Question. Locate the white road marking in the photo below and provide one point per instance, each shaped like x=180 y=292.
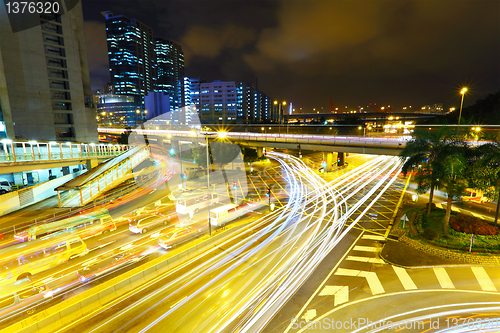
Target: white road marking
x=340 y=294
x=405 y=278
x=366 y=248
x=443 y=278
x=371 y=278
x=373 y=237
x=101 y=246
x=310 y=314
x=483 y=279
x=373 y=282
x=366 y=259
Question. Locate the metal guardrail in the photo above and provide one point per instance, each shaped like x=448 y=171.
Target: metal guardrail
x=26 y=151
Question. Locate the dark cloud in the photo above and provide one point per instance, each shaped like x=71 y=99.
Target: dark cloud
x=410 y=52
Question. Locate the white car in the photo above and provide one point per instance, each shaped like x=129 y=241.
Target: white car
x=142 y=225
x=5 y=186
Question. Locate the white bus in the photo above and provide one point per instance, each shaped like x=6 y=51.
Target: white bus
x=223 y=214
x=195 y=202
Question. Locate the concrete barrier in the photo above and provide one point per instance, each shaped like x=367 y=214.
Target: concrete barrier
x=67 y=311
x=13 y=201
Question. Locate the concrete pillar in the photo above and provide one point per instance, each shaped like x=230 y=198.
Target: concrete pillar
x=340 y=159
x=260 y=152
x=328 y=158
x=92 y=163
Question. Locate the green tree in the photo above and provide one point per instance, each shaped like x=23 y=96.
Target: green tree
x=224 y=152
x=200 y=156
x=489 y=178
x=220 y=152
x=454 y=181
x=427 y=151
x=123 y=139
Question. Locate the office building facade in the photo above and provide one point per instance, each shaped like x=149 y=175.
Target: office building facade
x=131 y=55
x=227 y=101
x=118 y=110
x=44 y=80
x=170 y=70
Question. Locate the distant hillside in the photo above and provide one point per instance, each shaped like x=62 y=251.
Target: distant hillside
x=485 y=111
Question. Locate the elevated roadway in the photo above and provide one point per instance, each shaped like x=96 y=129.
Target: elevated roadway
x=374 y=145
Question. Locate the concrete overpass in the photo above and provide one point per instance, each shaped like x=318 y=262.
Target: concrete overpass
x=375 y=145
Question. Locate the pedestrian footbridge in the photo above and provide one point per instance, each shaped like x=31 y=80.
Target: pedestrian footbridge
x=88 y=186
x=19 y=155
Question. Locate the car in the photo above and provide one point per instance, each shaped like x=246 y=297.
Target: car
x=5 y=186
x=177 y=236
x=101 y=266
x=22 y=297
x=144 y=224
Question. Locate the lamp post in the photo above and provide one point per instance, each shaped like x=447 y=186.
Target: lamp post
x=364 y=130
x=208 y=183
x=462 y=92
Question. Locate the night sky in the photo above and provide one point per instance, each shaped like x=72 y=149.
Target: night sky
x=397 y=53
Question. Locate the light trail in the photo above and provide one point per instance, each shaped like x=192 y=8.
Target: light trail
x=289 y=253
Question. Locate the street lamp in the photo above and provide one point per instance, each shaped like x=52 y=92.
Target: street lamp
x=364 y=129
x=462 y=92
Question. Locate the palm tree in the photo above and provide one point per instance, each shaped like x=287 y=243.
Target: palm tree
x=490 y=161
x=454 y=181
x=428 y=150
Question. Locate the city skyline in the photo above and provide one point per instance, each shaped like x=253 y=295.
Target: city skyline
x=411 y=53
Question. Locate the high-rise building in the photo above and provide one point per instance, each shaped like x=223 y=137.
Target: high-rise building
x=132 y=57
x=227 y=101
x=44 y=80
x=170 y=69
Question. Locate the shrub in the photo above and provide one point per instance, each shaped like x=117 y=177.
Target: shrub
x=472 y=225
x=430 y=233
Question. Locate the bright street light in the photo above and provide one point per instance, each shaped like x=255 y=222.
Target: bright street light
x=222 y=135
x=462 y=92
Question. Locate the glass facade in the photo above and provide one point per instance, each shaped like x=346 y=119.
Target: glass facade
x=131 y=54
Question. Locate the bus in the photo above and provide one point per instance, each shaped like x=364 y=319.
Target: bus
x=87 y=225
x=223 y=214
x=23 y=260
x=474 y=195
x=194 y=202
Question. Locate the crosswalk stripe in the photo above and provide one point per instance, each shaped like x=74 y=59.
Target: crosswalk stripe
x=440 y=206
x=373 y=237
x=443 y=278
x=455 y=209
x=483 y=279
x=371 y=278
x=373 y=282
x=347 y=272
x=366 y=248
x=405 y=278
x=366 y=259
